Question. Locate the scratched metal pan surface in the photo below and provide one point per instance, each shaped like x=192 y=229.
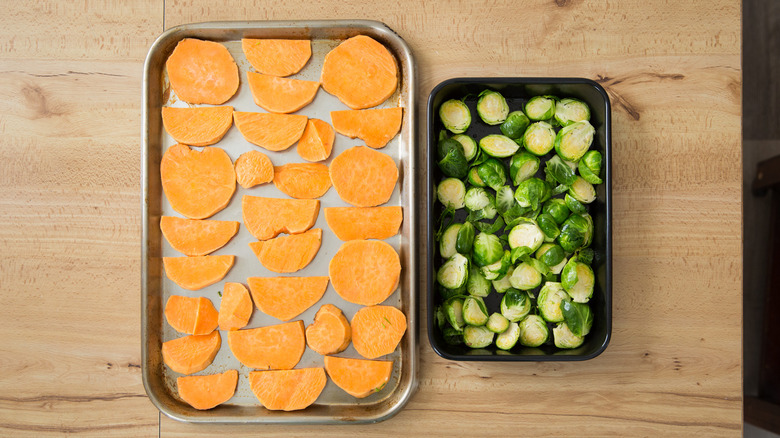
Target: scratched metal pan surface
x=333 y=405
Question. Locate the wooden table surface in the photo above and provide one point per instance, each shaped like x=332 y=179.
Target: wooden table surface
x=70 y=119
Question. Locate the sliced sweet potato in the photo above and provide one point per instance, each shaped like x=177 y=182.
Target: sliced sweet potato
x=202 y=72
x=254 y=168
x=274 y=132
x=374 y=126
x=194 y=316
x=277 y=57
x=358 y=223
x=364 y=177
x=330 y=332
x=357 y=377
x=265 y=218
x=197 y=183
x=377 y=330
x=302 y=180
x=316 y=143
x=275 y=347
x=285 y=298
x=281 y=95
x=191 y=354
x=235 y=308
x=290 y=390
x=285 y=254
x=361 y=72
x=206 y=392
x=365 y=272
x=201 y=126
x=195 y=273
x=194 y=237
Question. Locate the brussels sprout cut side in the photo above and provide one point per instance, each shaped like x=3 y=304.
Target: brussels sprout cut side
x=533 y=331
x=452 y=193
x=540 y=107
x=573 y=141
x=455 y=116
x=568 y=111
x=492 y=107
x=539 y=138
x=499 y=146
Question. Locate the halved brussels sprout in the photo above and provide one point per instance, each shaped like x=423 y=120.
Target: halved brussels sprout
x=550 y=254
x=497 y=323
x=569 y=110
x=453 y=309
x=492 y=107
x=446 y=144
x=560 y=171
x=549 y=301
x=526 y=233
x=487 y=249
x=468 y=144
x=523 y=166
x=502 y=284
x=492 y=173
x=548 y=226
x=515 y=305
x=477 y=336
x=452 y=193
x=476 y=199
x=477 y=285
x=455 y=116
x=474 y=311
x=498 y=146
x=449 y=240
x=578 y=281
x=540 y=107
x=509 y=337
x=533 y=331
x=574 y=232
x=454 y=272
x=574 y=205
x=465 y=238
x=578 y=317
x=454 y=164
x=582 y=191
x=573 y=141
x=564 y=338
x=515 y=124
x=525 y=277
x=532 y=193
x=498 y=269
x=590 y=167
x=539 y=138
x=474 y=178
x=556 y=208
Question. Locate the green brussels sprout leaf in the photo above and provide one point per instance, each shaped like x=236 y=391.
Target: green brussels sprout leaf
x=578 y=317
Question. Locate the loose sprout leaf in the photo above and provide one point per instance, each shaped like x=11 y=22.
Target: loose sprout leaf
x=447 y=213
x=574 y=205
x=447 y=144
x=536 y=264
x=585 y=255
x=496 y=227
x=578 y=317
x=492 y=173
x=569 y=274
x=560 y=171
x=465 y=238
x=561 y=188
x=587 y=174
x=520 y=252
x=454 y=164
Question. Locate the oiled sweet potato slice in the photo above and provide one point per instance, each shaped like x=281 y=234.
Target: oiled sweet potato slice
x=359 y=223
x=364 y=177
x=330 y=332
x=377 y=330
x=374 y=126
x=288 y=390
x=357 y=377
x=302 y=180
x=285 y=254
x=235 y=309
x=194 y=237
x=201 y=126
x=281 y=95
x=285 y=298
x=316 y=143
x=274 y=132
x=191 y=354
x=265 y=218
x=202 y=72
x=195 y=273
x=206 y=392
x=254 y=168
x=191 y=315
x=275 y=56
x=365 y=272
x=275 y=347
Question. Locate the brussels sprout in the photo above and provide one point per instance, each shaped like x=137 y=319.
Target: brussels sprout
x=578 y=281
x=588 y=230
x=455 y=116
x=498 y=269
x=515 y=125
x=452 y=193
x=505 y=199
x=498 y=146
x=515 y=305
x=573 y=233
x=590 y=167
x=574 y=205
x=453 y=308
x=550 y=297
x=454 y=164
x=497 y=323
x=540 y=107
x=476 y=199
x=468 y=144
x=454 y=272
x=477 y=336
x=548 y=226
x=573 y=141
x=560 y=171
x=477 y=285
x=525 y=277
x=568 y=111
x=564 y=338
x=582 y=191
x=539 y=138
x=492 y=107
x=523 y=166
x=449 y=240
x=502 y=284
x=474 y=311
x=474 y=178
x=550 y=254
x=509 y=337
x=532 y=193
x=585 y=255
x=465 y=238
x=556 y=208
x=439 y=318
x=487 y=249
x=533 y=331
x=578 y=317
x=527 y=233
x=492 y=173
x=447 y=144
x=452 y=336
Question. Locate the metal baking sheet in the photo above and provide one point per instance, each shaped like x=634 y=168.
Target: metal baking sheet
x=333 y=405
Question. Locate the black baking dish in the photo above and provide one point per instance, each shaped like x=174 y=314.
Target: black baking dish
x=517 y=91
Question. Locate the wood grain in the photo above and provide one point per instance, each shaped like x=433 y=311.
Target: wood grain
x=673 y=367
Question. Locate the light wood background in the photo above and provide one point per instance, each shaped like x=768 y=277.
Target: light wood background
x=70 y=97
